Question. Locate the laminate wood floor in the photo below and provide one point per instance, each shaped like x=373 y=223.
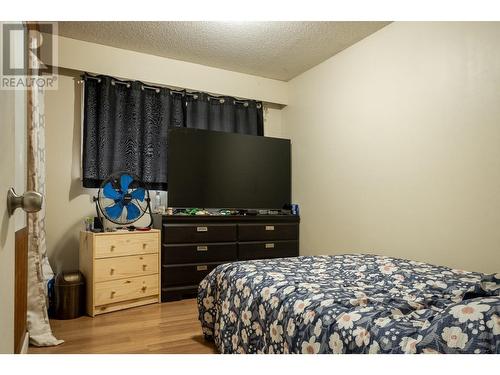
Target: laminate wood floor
x=170 y=327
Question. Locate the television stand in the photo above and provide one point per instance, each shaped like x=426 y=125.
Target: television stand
x=192 y=246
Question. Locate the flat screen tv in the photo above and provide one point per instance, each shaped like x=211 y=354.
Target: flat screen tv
x=208 y=169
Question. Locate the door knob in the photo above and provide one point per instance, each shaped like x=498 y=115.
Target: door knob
x=31 y=201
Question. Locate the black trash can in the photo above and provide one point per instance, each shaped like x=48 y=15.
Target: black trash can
x=69 y=293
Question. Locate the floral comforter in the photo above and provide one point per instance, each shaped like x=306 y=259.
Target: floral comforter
x=349 y=304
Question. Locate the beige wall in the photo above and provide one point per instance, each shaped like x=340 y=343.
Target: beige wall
x=396 y=146
x=121 y=63
x=67 y=202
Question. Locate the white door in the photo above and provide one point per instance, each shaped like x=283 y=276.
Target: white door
x=13 y=109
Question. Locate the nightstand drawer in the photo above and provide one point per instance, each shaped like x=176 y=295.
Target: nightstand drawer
x=175 y=233
x=259 y=232
x=125 y=289
x=198 y=253
x=106 y=269
x=125 y=244
x=270 y=249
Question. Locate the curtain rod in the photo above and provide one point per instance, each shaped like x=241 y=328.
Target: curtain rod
x=158 y=88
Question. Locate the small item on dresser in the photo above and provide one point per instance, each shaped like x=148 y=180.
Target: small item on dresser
x=158 y=202
x=88 y=222
x=295 y=209
x=202 y=213
x=169 y=211
x=97 y=225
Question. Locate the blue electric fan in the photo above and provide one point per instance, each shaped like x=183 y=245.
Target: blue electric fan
x=122 y=199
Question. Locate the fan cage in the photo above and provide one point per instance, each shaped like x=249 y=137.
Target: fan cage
x=103 y=201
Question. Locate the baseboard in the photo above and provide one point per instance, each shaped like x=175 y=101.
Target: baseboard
x=26 y=343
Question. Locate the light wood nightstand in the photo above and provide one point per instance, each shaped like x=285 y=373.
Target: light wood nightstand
x=121 y=269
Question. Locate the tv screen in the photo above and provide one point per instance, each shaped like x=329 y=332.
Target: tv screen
x=208 y=169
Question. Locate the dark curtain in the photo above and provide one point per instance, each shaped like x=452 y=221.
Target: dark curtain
x=224 y=114
x=126 y=123
x=125 y=129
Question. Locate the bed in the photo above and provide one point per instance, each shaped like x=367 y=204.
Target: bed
x=349 y=304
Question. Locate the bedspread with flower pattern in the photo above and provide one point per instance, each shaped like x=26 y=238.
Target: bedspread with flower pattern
x=349 y=304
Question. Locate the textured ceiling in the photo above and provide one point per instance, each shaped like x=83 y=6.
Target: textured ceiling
x=279 y=50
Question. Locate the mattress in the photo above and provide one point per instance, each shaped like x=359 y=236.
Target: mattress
x=349 y=304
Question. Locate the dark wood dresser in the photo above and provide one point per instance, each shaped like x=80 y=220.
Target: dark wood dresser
x=192 y=246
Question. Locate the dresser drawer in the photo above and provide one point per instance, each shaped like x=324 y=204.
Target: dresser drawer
x=125 y=289
x=126 y=244
x=262 y=250
x=190 y=274
x=106 y=269
x=199 y=253
x=259 y=232
x=182 y=233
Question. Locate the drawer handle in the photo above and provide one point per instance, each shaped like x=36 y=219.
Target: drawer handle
x=201 y=268
x=269 y=227
x=201 y=248
x=144 y=266
x=269 y=246
x=113 y=293
x=202 y=229
x=128 y=282
x=112 y=247
x=144 y=245
x=144 y=288
x=111 y=271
